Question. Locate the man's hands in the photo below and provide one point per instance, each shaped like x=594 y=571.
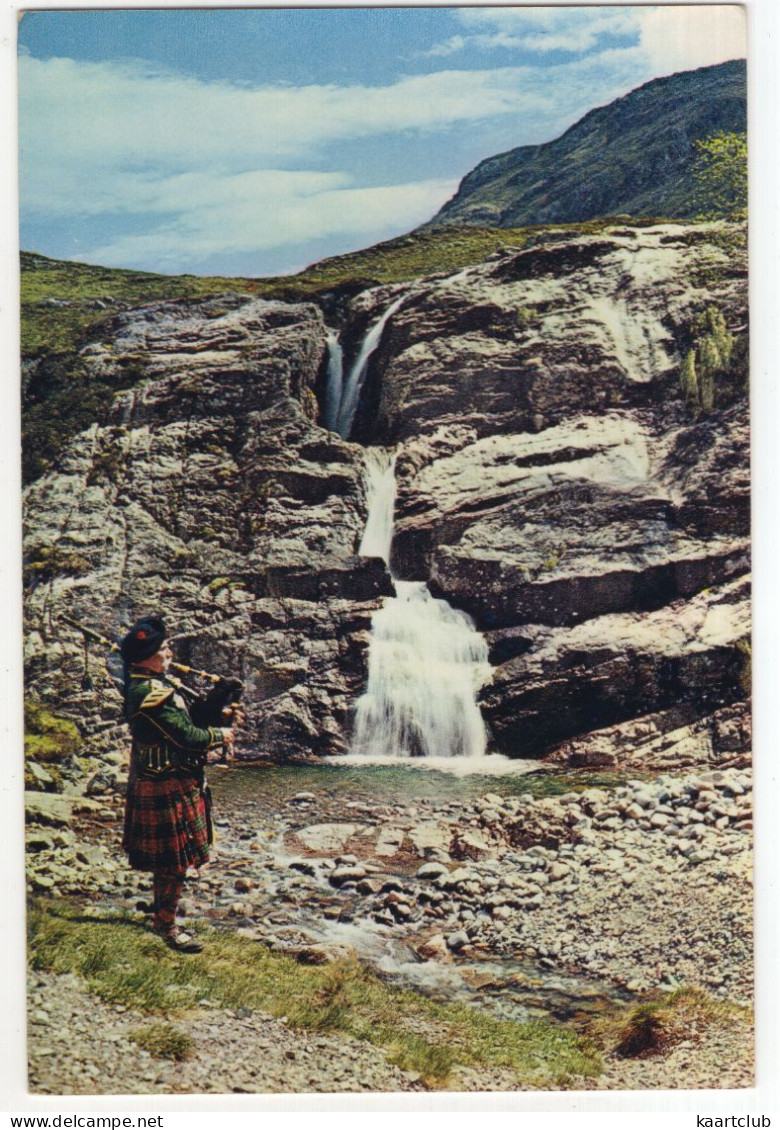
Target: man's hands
x=228 y=746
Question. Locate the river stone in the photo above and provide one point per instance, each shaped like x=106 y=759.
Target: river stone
x=326 y=838
x=457 y=940
x=392 y=885
x=39 y=841
x=432 y=871
x=434 y=949
x=346 y=874
x=41 y=775
x=401 y=910
x=430 y=835
x=369 y=887
x=48 y=808
x=470 y=845
x=389 y=841
x=304 y=866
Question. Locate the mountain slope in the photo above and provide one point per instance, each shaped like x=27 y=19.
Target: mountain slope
x=633 y=156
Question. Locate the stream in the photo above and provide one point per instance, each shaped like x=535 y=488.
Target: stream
x=259 y=809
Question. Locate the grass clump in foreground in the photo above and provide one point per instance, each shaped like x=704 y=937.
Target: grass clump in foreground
x=656 y=1027
x=124 y=964
x=164 y=1040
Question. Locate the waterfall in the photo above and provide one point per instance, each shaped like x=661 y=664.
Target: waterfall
x=426 y=660
x=380 y=491
x=349 y=395
x=335 y=382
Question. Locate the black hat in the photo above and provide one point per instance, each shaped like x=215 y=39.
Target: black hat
x=143 y=640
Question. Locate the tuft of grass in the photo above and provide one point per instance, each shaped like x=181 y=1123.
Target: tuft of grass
x=124 y=964
x=655 y=1027
x=164 y=1040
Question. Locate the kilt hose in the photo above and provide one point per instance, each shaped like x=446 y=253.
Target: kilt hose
x=166 y=827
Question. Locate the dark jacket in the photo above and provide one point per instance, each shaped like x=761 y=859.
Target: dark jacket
x=165 y=739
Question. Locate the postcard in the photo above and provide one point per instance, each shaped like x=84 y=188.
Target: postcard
x=387 y=617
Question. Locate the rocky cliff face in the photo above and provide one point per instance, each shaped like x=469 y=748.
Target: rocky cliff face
x=204 y=493
x=553 y=482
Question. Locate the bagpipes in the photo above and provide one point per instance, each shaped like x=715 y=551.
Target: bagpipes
x=218 y=707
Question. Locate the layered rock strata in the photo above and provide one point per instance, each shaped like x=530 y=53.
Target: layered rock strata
x=205 y=493
x=553 y=482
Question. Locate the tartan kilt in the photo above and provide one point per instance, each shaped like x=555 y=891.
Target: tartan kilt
x=166 y=827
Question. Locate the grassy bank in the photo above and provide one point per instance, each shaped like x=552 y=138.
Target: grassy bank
x=124 y=964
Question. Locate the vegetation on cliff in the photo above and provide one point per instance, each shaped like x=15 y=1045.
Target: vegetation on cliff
x=720 y=175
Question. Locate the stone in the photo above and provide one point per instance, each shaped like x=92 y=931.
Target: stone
x=432 y=871
x=325 y=838
x=470 y=845
x=457 y=940
x=434 y=948
x=389 y=841
x=558 y=871
x=50 y=809
x=42 y=776
x=39 y=841
x=347 y=874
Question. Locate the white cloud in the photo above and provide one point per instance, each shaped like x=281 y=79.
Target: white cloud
x=251 y=213
x=542 y=30
x=203 y=168
x=71 y=111
x=674 y=37
x=684 y=37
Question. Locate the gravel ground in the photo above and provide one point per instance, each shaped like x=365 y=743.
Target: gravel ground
x=81 y=1046
x=642 y=887
x=78 y=1045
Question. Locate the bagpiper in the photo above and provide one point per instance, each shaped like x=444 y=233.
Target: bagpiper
x=167 y=826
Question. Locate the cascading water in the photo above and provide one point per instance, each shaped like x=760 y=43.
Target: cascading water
x=380 y=492
x=426 y=660
x=335 y=382
x=349 y=395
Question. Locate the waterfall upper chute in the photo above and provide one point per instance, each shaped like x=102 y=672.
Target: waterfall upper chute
x=380 y=491
x=352 y=386
x=335 y=382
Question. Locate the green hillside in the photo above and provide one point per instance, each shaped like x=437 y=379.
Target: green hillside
x=634 y=156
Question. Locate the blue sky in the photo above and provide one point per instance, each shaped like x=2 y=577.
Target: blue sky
x=255 y=141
